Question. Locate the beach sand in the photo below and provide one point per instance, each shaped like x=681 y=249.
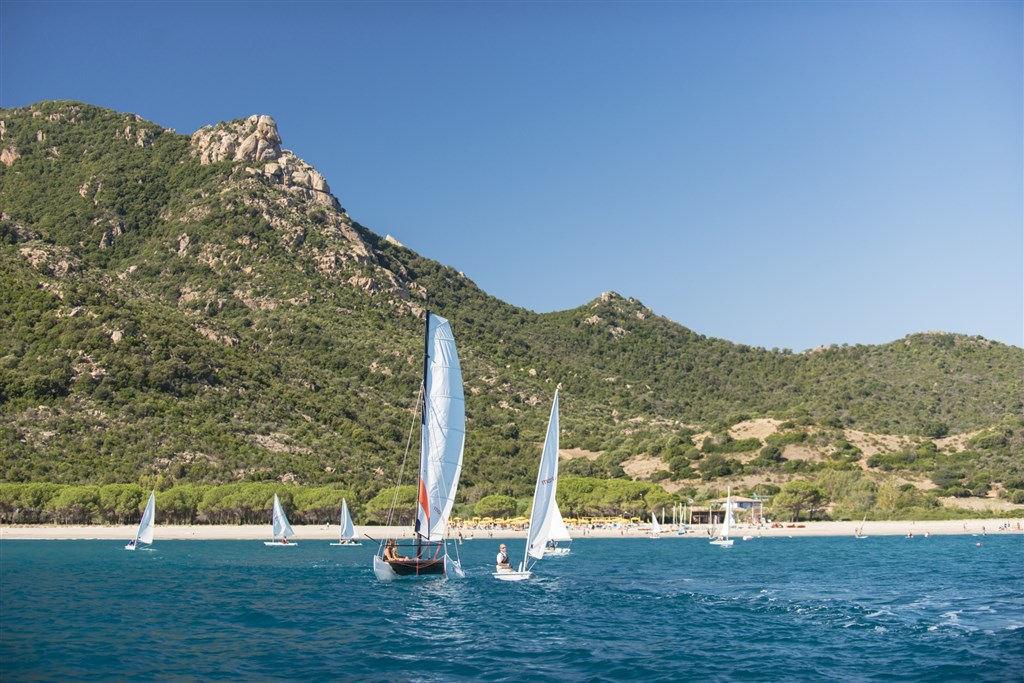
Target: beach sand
x=330 y=532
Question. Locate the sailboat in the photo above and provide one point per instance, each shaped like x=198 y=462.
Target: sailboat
x=544 y=510
x=347 y=533
x=655 y=525
x=442 y=436
x=558 y=533
x=281 y=528
x=145 y=532
x=723 y=539
x=859 y=533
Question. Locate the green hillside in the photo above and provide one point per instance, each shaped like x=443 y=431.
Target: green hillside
x=201 y=310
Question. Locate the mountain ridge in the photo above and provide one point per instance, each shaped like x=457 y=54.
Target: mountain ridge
x=208 y=295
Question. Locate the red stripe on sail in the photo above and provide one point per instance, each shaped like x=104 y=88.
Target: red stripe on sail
x=425 y=507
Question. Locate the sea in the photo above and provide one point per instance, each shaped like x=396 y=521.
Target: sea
x=944 y=608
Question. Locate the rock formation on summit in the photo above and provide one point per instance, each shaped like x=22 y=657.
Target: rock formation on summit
x=256 y=140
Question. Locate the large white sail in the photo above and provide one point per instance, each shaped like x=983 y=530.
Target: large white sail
x=545 y=509
x=444 y=431
x=147 y=524
x=282 y=529
x=348 y=529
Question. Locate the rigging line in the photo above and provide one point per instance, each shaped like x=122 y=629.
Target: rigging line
x=405 y=458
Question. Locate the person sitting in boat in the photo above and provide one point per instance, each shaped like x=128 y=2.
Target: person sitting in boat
x=131 y=543
x=391 y=551
x=502 y=559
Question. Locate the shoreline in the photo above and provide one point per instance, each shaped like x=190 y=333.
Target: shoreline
x=224 y=532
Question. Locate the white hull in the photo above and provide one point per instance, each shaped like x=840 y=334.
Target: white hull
x=860 y=536
x=352 y=543
x=383 y=570
x=723 y=543
x=556 y=552
x=278 y=544
x=510 y=575
x=129 y=547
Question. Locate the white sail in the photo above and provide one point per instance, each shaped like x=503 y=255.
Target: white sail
x=545 y=509
x=727 y=519
x=723 y=539
x=146 y=526
x=558 y=530
x=655 y=525
x=444 y=431
x=282 y=529
x=348 y=529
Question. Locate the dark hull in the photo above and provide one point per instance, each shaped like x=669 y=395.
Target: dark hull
x=414 y=567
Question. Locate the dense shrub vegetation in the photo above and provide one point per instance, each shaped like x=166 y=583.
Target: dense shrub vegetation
x=200 y=326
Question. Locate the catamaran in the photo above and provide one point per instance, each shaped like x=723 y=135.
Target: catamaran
x=347 y=534
x=544 y=510
x=145 y=532
x=280 y=526
x=723 y=539
x=442 y=437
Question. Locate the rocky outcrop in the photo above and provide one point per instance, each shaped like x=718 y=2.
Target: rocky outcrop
x=255 y=140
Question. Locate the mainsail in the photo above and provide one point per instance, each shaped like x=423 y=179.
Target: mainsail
x=558 y=530
x=443 y=431
x=348 y=529
x=282 y=529
x=545 y=509
x=148 y=522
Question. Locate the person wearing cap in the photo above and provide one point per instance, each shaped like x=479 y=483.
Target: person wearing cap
x=502 y=559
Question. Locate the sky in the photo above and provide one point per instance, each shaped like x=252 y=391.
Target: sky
x=778 y=174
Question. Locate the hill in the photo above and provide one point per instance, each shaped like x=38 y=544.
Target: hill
x=201 y=309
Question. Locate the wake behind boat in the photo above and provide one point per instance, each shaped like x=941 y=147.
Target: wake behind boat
x=280 y=526
x=442 y=437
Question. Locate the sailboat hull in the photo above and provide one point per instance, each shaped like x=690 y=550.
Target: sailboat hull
x=279 y=544
x=511 y=575
x=723 y=543
x=351 y=543
x=414 y=567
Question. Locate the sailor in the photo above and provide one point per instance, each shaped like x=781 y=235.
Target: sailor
x=502 y=560
x=391 y=552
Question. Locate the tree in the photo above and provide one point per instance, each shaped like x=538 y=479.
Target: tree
x=495 y=506
x=395 y=505
x=795 y=497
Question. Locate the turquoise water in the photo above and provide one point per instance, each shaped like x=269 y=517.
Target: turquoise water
x=671 y=609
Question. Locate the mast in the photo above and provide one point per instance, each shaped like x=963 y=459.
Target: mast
x=423 y=428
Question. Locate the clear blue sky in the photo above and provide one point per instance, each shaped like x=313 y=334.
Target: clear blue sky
x=779 y=174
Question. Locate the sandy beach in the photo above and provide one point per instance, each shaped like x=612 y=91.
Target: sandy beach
x=1000 y=526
